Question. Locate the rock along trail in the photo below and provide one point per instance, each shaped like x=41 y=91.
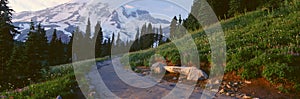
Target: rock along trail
x=116 y=88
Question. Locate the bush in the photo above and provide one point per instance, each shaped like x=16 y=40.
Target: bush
x=50 y=89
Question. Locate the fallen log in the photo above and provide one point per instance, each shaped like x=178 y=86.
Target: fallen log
x=192 y=73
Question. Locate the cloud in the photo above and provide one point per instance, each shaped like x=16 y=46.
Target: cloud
x=129 y=6
x=34 y=5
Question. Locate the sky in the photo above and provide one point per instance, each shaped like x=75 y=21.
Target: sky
x=34 y=5
x=158 y=8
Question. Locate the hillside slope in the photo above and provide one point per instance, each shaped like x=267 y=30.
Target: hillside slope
x=262 y=43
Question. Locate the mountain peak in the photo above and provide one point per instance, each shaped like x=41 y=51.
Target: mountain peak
x=66 y=17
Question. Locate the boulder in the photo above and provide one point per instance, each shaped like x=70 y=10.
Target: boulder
x=58 y=97
x=195 y=73
x=158 y=68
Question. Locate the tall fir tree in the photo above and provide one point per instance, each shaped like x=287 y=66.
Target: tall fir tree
x=191 y=23
x=16 y=67
x=35 y=52
x=69 y=49
x=88 y=33
x=78 y=46
x=112 y=39
x=43 y=44
x=110 y=43
x=7 y=31
x=56 y=51
x=136 y=44
x=88 y=41
x=149 y=29
x=99 y=39
x=160 y=37
x=173 y=28
x=143 y=30
x=180 y=19
x=118 y=41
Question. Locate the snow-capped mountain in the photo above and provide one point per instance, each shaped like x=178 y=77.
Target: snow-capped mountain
x=66 y=17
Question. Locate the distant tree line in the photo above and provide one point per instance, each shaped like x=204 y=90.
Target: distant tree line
x=225 y=9
x=147 y=37
x=27 y=61
x=84 y=42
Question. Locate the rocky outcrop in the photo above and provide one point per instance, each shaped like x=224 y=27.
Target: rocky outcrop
x=195 y=73
x=158 y=68
x=192 y=73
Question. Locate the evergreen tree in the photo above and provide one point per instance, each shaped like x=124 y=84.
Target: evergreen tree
x=119 y=41
x=119 y=44
x=88 y=30
x=69 y=49
x=191 y=23
x=35 y=53
x=7 y=31
x=42 y=43
x=149 y=28
x=61 y=51
x=136 y=45
x=78 y=45
x=148 y=36
x=52 y=49
x=112 y=39
x=160 y=36
x=18 y=75
x=87 y=43
x=56 y=50
x=109 y=45
x=173 y=28
x=144 y=30
x=180 y=20
x=99 y=46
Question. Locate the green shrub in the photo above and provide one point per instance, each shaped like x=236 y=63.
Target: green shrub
x=50 y=89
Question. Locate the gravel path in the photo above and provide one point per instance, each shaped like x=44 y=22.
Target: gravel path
x=109 y=85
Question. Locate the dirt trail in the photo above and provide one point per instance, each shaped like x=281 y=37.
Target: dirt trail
x=116 y=88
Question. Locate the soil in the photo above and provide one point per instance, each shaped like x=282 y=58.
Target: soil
x=259 y=88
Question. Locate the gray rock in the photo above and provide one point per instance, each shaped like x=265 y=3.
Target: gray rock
x=246 y=97
x=228 y=86
x=158 y=68
x=145 y=73
x=217 y=82
x=228 y=94
x=222 y=91
x=236 y=83
x=247 y=82
x=195 y=73
x=174 y=78
x=58 y=97
x=232 y=95
x=172 y=85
